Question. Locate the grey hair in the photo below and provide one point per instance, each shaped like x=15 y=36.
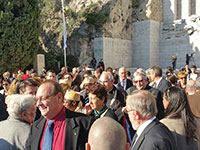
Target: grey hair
x=197 y=83
x=108 y=74
x=120 y=69
x=144 y=77
x=143 y=102
x=18 y=104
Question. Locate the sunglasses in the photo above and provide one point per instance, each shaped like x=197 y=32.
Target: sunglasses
x=140 y=81
x=5 y=84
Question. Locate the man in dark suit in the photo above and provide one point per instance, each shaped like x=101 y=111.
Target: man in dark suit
x=151 y=134
x=115 y=98
x=158 y=81
x=124 y=82
x=59 y=128
x=141 y=83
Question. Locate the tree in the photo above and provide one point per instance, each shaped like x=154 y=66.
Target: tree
x=19 y=33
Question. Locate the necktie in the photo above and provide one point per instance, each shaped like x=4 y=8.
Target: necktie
x=124 y=85
x=86 y=99
x=154 y=85
x=48 y=136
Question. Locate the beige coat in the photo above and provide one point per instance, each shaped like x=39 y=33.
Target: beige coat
x=177 y=128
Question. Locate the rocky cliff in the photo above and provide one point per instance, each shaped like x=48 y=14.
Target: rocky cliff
x=88 y=19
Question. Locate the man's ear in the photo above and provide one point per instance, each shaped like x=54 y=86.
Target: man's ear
x=87 y=146
x=136 y=115
x=127 y=146
x=60 y=97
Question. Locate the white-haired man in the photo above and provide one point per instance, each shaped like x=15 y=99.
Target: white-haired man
x=150 y=134
x=124 y=82
x=14 y=131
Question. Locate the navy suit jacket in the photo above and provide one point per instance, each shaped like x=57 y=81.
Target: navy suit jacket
x=76 y=131
x=156 y=136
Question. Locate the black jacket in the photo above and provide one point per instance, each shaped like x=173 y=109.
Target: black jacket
x=76 y=131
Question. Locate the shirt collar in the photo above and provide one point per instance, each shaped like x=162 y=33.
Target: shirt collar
x=60 y=116
x=158 y=81
x=143 y=126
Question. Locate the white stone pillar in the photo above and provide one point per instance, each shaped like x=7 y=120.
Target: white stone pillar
x=169 y=10
x=175 y=9
x=39 y=63
x=146 y=38
x=197 y=7
x=185 y=9
x=179 y=8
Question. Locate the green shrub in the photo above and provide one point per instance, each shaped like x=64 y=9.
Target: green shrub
x=19 y=32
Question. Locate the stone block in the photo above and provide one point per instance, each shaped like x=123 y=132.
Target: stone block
x=39 y=63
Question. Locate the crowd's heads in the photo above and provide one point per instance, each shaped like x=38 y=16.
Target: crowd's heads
x=140 y=105
x=140 y=81
x=89 y=82
x=64 y=70
x=109 y=69
x=28 y=86
x=65 y=84
x=107 y=134
x=173 y=80
x=21 y=107
x=122 y=73
x=174 y=101
x=98 y=97
x=87 y=73
x=98 y=72
x=6 y=84
x=182 y=76
x=50 y=98
x=190 y=87
x=106 y=80
x=6 y=75
x=71 y=100
x=197 y=83
x=193 y=69
x=51 y=75
x=155 y=72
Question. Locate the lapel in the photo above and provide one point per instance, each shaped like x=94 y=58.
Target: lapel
x=38 y=130
x=160 y=83
x=142 y=136
x=71 y=131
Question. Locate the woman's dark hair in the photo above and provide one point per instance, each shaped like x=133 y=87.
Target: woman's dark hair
x=172 y=79
x=100 y=91
x=179 y=108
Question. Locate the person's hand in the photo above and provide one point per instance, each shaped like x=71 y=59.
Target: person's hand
x=88 y=109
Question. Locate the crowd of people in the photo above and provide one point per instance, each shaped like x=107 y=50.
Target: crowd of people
x=100 y=109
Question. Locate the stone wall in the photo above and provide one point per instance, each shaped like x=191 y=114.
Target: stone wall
x=115 y=52
x=178 y=39
x=146 y=43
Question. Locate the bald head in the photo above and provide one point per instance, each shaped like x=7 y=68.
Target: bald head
x=190 y=87
x=107 y=134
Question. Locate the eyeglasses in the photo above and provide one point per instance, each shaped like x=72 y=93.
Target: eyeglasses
x=140 y=81
x=44 y=99
x=103 y=82
x=183 y=78
x=5 y=84
x=126 y=110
